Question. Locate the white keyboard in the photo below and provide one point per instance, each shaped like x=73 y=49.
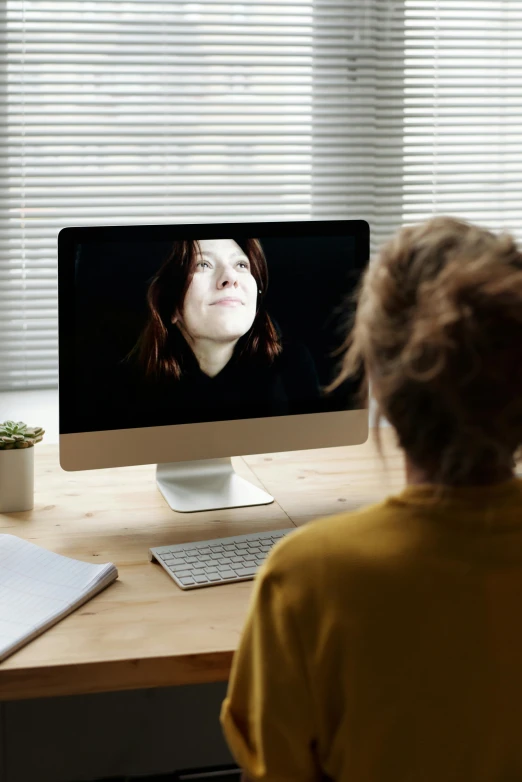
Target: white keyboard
x=221 y=561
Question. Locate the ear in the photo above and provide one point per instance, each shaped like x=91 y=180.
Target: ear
x=175 y=318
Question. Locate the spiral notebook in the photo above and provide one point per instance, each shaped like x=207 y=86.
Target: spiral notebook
x=39 y=587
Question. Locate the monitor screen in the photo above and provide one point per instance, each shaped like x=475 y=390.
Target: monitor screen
x=168 y=325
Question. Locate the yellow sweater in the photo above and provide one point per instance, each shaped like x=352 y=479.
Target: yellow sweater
x=386 y=645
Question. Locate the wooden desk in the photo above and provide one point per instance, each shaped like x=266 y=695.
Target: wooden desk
x=143 y=631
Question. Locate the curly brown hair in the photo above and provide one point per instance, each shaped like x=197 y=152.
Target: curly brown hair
x=438 y=333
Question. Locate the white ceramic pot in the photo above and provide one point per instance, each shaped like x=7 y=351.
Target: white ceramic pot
x=16 y=479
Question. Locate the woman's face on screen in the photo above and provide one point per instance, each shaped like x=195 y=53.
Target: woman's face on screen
x=221 y=301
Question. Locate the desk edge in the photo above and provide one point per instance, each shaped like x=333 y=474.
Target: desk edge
x=114 y=675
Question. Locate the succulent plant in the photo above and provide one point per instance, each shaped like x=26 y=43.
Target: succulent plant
x=15 y=435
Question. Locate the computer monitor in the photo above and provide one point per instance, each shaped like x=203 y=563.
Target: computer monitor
x=184 y=345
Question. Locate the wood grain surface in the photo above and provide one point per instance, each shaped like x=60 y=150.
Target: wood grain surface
x=143 y=631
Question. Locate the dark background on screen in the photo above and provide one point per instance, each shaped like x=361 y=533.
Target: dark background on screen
x=311 y=279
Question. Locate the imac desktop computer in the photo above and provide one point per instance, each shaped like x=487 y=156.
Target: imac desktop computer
x=185 y=345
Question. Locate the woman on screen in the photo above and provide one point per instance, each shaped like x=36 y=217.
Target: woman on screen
x=209 y=349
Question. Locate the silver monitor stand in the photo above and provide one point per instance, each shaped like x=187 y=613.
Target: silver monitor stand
x=206 y=484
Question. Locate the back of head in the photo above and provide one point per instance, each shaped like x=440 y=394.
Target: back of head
x=438 y=332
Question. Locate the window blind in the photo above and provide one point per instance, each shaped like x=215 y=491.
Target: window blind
x=463 y=111
x=141 y=112
x=358 y=98
x=152 y=111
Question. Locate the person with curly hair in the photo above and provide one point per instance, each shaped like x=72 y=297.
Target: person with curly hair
x=386 y=644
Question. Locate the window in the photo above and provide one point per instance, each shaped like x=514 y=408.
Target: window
x=151 y=111
x=463 y=111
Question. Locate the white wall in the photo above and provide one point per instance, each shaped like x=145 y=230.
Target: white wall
x=36 y=408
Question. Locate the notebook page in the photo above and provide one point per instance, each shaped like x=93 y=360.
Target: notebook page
x=38 y=587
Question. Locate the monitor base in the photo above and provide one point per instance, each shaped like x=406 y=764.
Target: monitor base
x=206 y=484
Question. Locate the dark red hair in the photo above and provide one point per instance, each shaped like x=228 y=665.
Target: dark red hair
x=161 y=346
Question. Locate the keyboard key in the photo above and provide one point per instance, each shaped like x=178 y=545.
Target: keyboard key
x=211 y=572
x=237 y=560
x=229 y=547
x=253 y=544
x=249 y=557
x=221 y=568
x=213 y=577
x=204 y=550
x=225 y=560
x=227 y=574
x=187 y=581
x=176 y=562
x=242 y=572
x=201 y=579
x=182 y=572
x=241 y=545
x=191 y=560
x=217 y=548
x=215 y=555
x=198 y=572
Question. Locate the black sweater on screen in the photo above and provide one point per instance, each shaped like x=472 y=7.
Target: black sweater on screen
x=245 y=388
